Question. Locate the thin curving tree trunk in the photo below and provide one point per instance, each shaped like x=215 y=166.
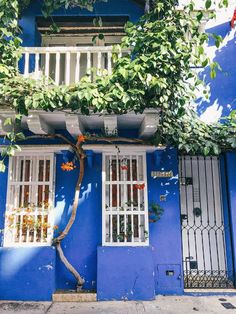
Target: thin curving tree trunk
x=80 y=281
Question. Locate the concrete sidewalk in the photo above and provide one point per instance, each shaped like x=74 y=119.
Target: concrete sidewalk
x=165 y=305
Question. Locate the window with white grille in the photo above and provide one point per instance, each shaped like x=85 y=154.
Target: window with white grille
x=125 y=208
x=29 y=218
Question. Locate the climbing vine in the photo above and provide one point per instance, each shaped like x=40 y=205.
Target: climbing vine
x=166 y=44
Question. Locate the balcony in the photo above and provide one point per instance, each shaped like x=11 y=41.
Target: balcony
x=67 y=65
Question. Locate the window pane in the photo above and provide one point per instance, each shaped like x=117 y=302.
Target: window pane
x=140 y=166
x=20 y=204
x=107 y=200
x=38 y=228
x=141 y=199
x=114 y=228
x=27 y=170
x=41 y=170
x=40 y=196
x=114 y=196
x=129 y=229
x=21 y=170
x=45 y=227
x=114 y=170
x=47 y=176
x=107 y=168
x=143 y=232
x=18 y=226
x=135 y=197
x=124 y=199
x=122 y=228
x=108 y=234
x=134 y=169
x=26 y=198
x=136 y=226
x=46 y=196
x=127 y=177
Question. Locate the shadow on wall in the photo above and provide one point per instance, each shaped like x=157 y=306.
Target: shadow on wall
x=27 y=273
x=223 y=88
x=80 y=246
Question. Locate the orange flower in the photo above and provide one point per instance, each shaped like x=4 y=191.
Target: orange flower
x=68 y=166
x=81 y=138
x=140 y=186
x=55 y=227
x=11 y=218
x=46 y=225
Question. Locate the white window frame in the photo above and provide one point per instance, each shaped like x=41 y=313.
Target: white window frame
x=125 y=152
x=36 y=156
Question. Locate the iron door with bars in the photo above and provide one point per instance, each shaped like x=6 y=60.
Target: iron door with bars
x=204 y=224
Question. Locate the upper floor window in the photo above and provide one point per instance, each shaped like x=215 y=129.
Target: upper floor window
x=28 y=219
x=79 y=48
x=125 y=208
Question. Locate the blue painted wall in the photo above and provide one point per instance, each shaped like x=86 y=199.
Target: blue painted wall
x=3 y=197
x=31 y=37
x=138 y=273
x=117 y=273
x=227 y=216
x=27 y=274
x=230 y=159
x=222 y=89
x=86 y=234
x=165 y=235
x=146 y=266
x=125 y=273
x=25 y=268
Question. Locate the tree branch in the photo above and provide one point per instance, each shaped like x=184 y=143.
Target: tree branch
x=68 y=265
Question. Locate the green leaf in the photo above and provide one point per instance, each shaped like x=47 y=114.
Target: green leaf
x=213 y=74
x=20 y=136
x=8 y=121
x=208 y=4
x=205 y=63
x=2 y=166
x=101 y=36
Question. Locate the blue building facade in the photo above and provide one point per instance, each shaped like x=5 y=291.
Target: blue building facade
x=118 y=249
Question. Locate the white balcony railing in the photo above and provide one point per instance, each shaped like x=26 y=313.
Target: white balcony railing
x=66 y=65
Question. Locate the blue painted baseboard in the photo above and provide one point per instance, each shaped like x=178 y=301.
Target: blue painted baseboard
x=125 y=273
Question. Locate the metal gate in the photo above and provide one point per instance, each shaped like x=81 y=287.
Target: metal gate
x=204 y=225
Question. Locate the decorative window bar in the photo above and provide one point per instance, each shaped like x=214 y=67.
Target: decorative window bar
x=29 y=201
x=125 y=209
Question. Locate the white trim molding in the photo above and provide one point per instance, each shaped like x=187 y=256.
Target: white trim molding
x=74 y=125
x=110 y=125
x=124 y=199
x=41 y=122
x=29 y=217
x=123 y=148
x=37 y=125
x=37 y=149
x=149 y=125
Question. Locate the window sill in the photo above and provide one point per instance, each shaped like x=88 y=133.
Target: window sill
x=27 y=245
x=125 y=244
